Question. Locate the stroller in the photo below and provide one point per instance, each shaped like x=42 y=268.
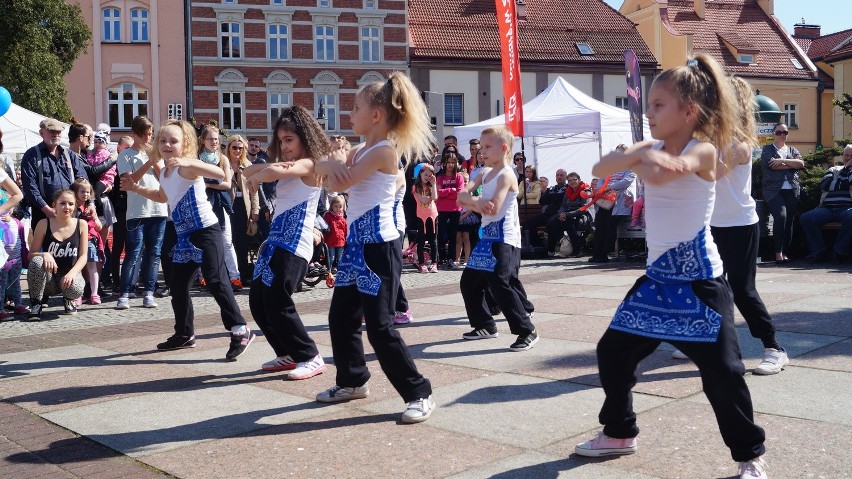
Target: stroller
x=317 y=267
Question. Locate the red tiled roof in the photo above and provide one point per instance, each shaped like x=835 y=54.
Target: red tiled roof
x=746 y=21
x=823 y=46
x=467 y=29
x=841 y=53
x=805 y=43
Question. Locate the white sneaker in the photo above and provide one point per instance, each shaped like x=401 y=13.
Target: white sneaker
x=754 y=469
x=339 y=394
x=773 y=362
x=282 y=363
x=308 y=369
x=418 y=410
x=678 y=354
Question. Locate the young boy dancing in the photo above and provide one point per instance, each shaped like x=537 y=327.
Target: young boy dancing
x=495 y=261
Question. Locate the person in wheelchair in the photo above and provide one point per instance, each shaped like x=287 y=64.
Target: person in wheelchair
x=571 y=217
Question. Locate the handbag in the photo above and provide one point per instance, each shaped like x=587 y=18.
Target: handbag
x=565 y=246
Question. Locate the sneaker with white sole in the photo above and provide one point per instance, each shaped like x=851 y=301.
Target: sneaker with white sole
x=281 y=363
x=482 y=333
x=753 y=469
x=400 y=317
x=773 y=362
x=603 y=445
x=678 y=354
x=525 y=342
x=308 y=369
x=177 y=342
x=239 y=343
x=418 y=410
x=123 y=303
x=339 y=394
x=148 y=301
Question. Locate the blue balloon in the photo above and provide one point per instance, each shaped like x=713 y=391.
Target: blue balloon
x=5 y=101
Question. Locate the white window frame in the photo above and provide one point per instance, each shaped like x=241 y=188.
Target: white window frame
x=111 y=25
x=277 y=39
x=278 y=100
x=230 y=36
x=747 y=58
x=279 y=86
x=370 y=45
x=330 y=42
x=449 y=111
x=621 y=102
x=791 y=115
x=138 y=25
x=330 y=100
x=138 y=106
x=231 y=110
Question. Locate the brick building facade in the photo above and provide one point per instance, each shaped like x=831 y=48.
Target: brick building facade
x=250 y=58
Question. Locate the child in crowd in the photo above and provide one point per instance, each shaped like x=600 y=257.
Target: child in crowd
x=494 y=263
x=83 y=191
x=469 y=221
x=369 y=273
x=199 y=235
x=450 y=181
x=335 y=237
x=283 y=260
x=637 y=218
x=683 y=298
x=14 y=248
x=425 y=191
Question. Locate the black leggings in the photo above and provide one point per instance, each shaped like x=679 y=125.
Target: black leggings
x=783 y=208
x=448 y=225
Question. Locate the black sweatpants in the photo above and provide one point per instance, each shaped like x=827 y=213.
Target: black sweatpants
x=348 y=305
x=719 y=363
x=401 y=299
x=209 y=241
x=448 y=225
x=275 y=312
x=166 y=252
x=738 y=247
x=506 y=289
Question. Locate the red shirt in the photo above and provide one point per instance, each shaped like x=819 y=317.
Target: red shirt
x=335 y=237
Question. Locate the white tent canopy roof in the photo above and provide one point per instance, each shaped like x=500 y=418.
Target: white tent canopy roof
x=20 y=130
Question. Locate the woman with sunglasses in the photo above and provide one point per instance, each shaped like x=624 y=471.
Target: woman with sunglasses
x=780 y=164
x=246 y=206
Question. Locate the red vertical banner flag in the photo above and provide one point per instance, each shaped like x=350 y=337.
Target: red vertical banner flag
x=507 y=20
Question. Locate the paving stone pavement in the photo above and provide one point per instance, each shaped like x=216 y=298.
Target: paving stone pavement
x=87 y=396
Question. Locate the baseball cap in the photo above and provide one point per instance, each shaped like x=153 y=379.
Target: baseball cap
x=104 y=128
x=102 y=136
x=50 y=124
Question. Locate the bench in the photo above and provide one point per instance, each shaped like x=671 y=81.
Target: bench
x=624 y=232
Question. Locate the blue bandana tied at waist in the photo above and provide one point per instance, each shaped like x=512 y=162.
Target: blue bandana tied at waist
x=186 y=220
x=285 y=232
x=482 y=256
x=352 y=269
x=664 y=306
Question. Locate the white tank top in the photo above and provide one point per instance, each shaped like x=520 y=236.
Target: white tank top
x=295 y=216
x=370 y=214
x=677 y=213
x=187 y=201
x=734 y=204
x=511 y=231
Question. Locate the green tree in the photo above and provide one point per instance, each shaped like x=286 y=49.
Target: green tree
x=844 y=103
x=39 y=42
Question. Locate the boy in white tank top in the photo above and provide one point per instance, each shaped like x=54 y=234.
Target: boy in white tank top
x=495 y=261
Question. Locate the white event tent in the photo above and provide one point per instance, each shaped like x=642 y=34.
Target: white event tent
x=564 y=128
x=20 y=130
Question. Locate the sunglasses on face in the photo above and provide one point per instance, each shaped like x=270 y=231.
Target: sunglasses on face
x=237 y=148
x=782 y=132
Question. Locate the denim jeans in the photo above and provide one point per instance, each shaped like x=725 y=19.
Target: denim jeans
x=147 y=232
x=812 y=222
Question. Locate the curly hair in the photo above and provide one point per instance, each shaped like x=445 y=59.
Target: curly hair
x=745 y=98
x=298 y=120
x=190 y=142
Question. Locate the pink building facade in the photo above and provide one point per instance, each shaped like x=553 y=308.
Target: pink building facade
x=136 y=64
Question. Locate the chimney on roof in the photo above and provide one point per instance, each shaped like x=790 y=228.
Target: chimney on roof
x=521 y=9
x=804 y=30
x=699 y=8
x=768 y=6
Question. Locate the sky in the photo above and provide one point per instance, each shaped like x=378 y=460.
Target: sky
x=826 y=13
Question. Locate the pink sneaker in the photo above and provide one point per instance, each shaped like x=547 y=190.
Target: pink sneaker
x=421 y=268
x=95 y=299
x=402 y=318
x=433 y=268
x=282 y=363
x=604 y=445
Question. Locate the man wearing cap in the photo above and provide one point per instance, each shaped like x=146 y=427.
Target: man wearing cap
x=47 y=168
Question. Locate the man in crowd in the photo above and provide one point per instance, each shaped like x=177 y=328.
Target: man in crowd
x=551 y=201
x=267 y=191
x=47 y=168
